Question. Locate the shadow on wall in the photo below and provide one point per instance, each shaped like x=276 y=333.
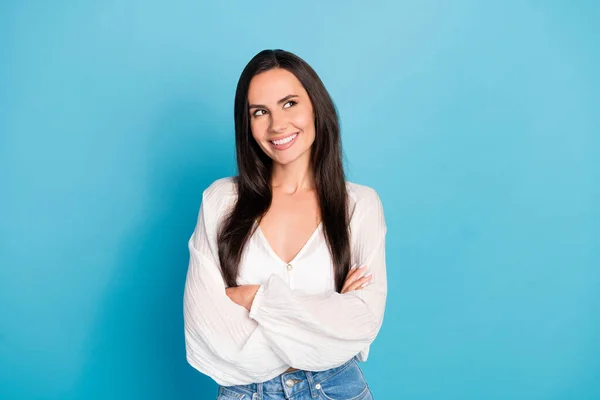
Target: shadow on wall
x=135 y=348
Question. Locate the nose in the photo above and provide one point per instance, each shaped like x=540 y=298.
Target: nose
x=278 y=123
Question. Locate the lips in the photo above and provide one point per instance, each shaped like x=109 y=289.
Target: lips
x=284 y=143
x=282 y=138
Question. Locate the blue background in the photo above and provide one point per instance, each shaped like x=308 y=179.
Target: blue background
x=477 y=122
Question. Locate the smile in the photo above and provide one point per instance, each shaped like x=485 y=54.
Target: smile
x=285 y=143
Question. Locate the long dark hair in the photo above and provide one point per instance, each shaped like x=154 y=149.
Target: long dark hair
x=253 y=182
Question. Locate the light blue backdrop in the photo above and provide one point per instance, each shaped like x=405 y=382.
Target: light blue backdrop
x=477 y=122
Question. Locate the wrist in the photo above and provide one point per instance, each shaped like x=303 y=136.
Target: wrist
x=251 y=295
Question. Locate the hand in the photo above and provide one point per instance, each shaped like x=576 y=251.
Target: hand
x=354 y=281
x=242 y=295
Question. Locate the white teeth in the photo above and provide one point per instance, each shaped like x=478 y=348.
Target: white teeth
x=284 y=141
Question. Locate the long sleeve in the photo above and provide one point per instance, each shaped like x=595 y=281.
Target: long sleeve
x=317 y=332
x=221 y=340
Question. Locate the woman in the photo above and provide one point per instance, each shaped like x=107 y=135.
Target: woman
x=272 y=307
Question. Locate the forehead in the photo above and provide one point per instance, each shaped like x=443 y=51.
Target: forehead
x=272 y=85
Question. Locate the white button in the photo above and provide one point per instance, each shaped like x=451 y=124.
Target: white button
x=318 y=386
x=289 y=383
x=289 y=267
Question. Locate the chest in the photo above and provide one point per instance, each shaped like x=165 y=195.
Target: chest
x=289 y=224
x=289 y=242
x=310 y=271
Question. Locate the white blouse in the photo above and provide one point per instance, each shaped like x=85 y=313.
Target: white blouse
x=297 y=318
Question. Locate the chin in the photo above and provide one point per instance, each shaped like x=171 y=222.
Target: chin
x=284 y=158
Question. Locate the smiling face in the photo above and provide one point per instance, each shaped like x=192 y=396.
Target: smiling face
x=281 y=116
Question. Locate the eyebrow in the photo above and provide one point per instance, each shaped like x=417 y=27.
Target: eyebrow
x=283 y=100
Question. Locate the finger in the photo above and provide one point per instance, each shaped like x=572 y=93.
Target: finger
x=361 y=283
x=356 y=274
x=348 y=276
x=357 y=283
x=353 y=274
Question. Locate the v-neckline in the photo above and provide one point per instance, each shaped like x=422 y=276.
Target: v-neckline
x=300 y=252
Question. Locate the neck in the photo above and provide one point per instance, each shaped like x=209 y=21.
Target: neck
x=293 y=177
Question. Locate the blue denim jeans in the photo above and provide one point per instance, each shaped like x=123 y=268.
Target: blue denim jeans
x=345 y=382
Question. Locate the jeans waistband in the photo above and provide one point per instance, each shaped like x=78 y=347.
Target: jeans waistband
x=291 y=383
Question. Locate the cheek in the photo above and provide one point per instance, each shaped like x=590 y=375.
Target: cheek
x=304 y=120
x=258 y=129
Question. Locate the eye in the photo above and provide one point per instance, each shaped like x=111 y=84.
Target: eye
x=292 y=102
x=256 y=113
